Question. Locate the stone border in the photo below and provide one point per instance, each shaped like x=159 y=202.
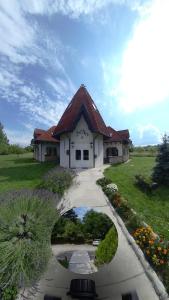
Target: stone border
x=151 y=274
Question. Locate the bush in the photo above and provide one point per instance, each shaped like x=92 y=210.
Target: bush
x=145 y=184
x=4 y=149
x=103 y=181
x=15 y=149
x=26 y=221
x=134 y=222
x=107 y=248
x=9 y=293
x=57 y=181
x=124 y=210
x=116 y=200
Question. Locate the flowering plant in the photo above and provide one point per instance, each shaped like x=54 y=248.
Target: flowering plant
x=156 y=250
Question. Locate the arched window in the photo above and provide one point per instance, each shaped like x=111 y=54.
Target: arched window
x=112 y=151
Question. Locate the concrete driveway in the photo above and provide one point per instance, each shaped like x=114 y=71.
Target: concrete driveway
x=125 y=272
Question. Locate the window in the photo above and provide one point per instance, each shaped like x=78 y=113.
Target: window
x=78 y=154
x=113 y=151
x=86 y=154
x=48 y=151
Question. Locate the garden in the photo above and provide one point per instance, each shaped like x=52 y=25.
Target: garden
x=27 y=218
x=143 y=208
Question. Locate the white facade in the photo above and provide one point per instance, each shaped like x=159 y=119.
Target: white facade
x=81 y=148
x=41 y=151
x=122 y=152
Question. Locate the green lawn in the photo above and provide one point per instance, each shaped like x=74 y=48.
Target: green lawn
x=21 y=171
x=153 y=208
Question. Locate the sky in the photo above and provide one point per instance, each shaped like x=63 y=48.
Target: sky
x=119 y=49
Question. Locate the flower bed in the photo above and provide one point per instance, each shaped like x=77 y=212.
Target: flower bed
x=155 y=249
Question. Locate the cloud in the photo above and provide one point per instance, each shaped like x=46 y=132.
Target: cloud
x=148 y=134
x=145 y=67
x=22 y=138
x=17 y=35
x=24 y=44
x=75 y=8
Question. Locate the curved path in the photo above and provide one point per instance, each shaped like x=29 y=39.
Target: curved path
x=125 y=273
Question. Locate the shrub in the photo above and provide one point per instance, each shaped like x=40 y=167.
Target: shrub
x=117 y=200
x=26 y=221
x=15 y=149
x=145 y=184
x=103 y=181
x=4 y=149
x=9 y=293
x=124 y=210
x=57 y=181
x=107 y=248
x=133 y=222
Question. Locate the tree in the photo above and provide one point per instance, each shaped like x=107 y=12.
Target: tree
x=71 y=215
x=96 y=224
x=26 y=222
x=73 y=231
x=4 y=143
x=3 y=137
x=161 y=170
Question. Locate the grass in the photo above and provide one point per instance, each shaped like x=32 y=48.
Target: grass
x=153 y=208
x=21 y=171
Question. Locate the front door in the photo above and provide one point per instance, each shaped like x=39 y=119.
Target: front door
x=81 y=156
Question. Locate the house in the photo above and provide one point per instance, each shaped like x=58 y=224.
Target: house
x=81 y=139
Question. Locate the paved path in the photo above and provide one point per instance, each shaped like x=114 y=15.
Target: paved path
x=123 y=274
x=80 y=263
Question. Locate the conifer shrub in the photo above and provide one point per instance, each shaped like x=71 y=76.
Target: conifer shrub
x=107 y=248
x=26 y=221
x=161 y=170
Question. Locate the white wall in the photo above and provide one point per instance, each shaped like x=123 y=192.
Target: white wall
x=118 y=145
x=123 y=153
x=98 y=150
x=64 y=147
x=82 y=139
x=40 y=150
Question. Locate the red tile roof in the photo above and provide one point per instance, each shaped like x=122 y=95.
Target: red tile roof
x=114 y=135
x=46 y=136
x=117 y=136
x=124 y=134
x=81 y=103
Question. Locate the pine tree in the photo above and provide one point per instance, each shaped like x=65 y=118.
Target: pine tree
x=26 y=221
x=161 y=170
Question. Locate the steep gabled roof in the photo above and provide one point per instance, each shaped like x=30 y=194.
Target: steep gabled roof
x=46 y=136
x=81 y=104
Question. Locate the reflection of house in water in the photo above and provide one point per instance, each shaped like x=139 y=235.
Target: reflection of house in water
x=81 y=139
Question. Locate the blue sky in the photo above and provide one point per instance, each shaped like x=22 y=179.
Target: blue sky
x=117 y=48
